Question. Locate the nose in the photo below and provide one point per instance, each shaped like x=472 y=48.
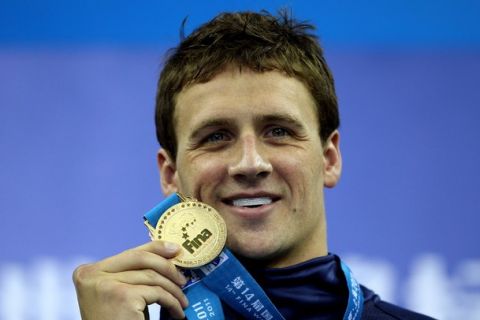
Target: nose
x=249 y=165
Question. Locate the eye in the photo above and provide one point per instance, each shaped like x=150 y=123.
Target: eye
x=217 y=136
x=278 y=132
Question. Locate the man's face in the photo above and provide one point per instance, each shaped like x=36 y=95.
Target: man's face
x=249 y=145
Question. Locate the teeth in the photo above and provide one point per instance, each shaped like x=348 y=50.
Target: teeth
x=248 y=202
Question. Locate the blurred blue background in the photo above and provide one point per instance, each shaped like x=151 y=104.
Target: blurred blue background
x=77 y=142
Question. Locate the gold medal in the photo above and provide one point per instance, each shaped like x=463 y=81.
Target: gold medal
x=197 y=228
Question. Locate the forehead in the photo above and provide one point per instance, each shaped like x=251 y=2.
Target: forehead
x=234 y=94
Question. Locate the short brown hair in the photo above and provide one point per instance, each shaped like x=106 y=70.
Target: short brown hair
x=257 y=41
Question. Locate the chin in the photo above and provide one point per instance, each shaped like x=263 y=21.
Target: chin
x=254 y=250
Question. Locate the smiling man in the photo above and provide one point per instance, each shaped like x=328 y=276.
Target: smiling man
x=241 y=151
x=248 y=122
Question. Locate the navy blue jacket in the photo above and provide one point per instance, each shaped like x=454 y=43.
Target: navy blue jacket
x=317 y=290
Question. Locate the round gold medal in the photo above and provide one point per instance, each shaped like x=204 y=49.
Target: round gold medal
x=197 y=228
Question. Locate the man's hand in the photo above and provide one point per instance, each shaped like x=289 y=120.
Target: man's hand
x=121 y=287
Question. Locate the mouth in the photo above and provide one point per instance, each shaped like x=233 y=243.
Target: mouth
x=250 y=201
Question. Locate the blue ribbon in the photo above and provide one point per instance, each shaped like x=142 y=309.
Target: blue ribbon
x=355 y=295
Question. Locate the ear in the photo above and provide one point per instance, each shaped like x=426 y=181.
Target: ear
x=168 y=172
x=332 y=160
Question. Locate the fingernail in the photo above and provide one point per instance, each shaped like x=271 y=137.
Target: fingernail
x=182 y=278
x=171 y=247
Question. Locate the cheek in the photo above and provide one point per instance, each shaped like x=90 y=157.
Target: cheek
x=200 y=174
x=300 y=159
x=301 y=171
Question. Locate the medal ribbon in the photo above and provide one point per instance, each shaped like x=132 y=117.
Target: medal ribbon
x=355 y=295
x=225 y=277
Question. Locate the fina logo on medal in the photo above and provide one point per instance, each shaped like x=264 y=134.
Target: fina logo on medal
x=195 y=243
x=198 y=228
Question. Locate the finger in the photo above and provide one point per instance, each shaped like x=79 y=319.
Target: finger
x=124 y=301
x=137 y=259
x=163 y=298
x=164 y=248
x=150 y=277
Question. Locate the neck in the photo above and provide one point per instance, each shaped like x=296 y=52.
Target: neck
x=314 y=247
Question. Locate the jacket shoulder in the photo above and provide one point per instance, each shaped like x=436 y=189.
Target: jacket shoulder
x=375 y=308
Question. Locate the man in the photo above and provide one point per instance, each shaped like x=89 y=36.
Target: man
x=248 y=122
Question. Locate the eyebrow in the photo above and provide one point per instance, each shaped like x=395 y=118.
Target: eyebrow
x=282 y=118
x=211 y=123
x=230 y=122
